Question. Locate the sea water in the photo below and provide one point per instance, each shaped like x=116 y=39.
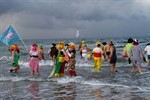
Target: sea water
x=87 y=85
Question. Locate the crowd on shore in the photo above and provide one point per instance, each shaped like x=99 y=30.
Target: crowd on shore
x=64 y=56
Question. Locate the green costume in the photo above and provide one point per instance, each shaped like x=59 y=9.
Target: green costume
x=15 y=61
x=58 y=65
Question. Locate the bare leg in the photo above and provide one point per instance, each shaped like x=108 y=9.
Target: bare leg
x=115 y=69
x=139 y=69
x=37 y=73
x=111 y=67
x=32 y=72
x=148 y=62
x=133 y=68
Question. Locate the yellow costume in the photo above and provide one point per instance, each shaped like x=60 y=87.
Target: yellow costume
x=97 y=52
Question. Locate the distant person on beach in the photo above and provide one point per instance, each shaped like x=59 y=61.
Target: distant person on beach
x=112 y=59
x=14 y=49
x=136 y=55
x=128 y=47
x=147 y=51
x=41 y=52
x=97 y=53
x=53 y=52
x=34 y=61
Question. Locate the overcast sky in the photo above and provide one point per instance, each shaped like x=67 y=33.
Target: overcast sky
x=45 y=19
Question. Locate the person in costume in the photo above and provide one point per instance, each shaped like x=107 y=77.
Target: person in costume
x=136 y=55
x=34 y=60
x=66 y=54
x=128 y=47
x=80 y=46
x=60 y=62
x=112 y=57
x=53 y=52
x=97 y=53
x=41 y=52
x=14 y=49
x=84 y=51
x=66 y=47
x=147 y=51
x=72 y=61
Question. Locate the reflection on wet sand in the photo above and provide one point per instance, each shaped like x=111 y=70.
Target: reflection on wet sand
x=97 y=93
x=66 y=92
x=34 y=90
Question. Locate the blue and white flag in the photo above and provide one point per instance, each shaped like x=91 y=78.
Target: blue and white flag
x=9 y=36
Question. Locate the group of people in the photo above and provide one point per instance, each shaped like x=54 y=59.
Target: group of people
x=101 y=50
x=136 y=54
x=64 y=55
x=131 y=51
x=36 y=53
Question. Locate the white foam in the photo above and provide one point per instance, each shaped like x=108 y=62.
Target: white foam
x=14 y=78
x=96 y=82
x=5 y=58
x=18 y=78
x=65 y=80
x=142 y=88
x=84 y=64
x=81 y=80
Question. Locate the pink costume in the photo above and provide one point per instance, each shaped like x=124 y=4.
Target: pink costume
x=34 y=61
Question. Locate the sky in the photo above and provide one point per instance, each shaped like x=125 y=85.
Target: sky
x=48 y=19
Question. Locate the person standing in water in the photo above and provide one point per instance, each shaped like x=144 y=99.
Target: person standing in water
x=97 y=52
x=80 y=46
x=53 y=52
x=84 y=51
x=106 y=50
x=112 y=57
x=136 y=55
x=34 y=61
x=14 y=49
x=72 y=56
x=103 y=48
x=41 y=52
x=128 y=47
x=147 y=51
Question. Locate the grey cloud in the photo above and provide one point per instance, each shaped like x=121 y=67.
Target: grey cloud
x=90 y=17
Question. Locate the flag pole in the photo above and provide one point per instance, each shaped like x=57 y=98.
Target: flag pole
x=21 y=39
